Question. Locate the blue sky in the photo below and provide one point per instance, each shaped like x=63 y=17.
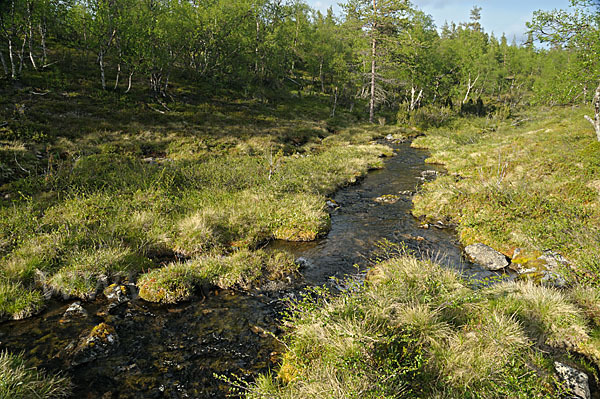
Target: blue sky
x=498 y=16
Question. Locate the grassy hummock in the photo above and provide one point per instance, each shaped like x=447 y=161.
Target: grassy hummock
x=243 y=269
x=416 y=330
x=530 y=182
x=19 y=381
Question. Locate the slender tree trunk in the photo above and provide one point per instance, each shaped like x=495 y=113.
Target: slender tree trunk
x=470 y=86
x=335 y=100
x=13 y=68
x=256 y=49
x=166 y=85
x=321 y=76
x=118 y=65
x=30 y=39
x=117 y=77
x=373 y=65
x=373 y=70
x=596 y=120
x=101 y=64
x=129 y=82
x=4 y=66
x=43 y=40
x=414 y=101
x=22 y=54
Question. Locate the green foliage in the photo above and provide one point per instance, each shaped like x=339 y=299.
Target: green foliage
x=243 y=269
x=415 y=330
x=573 y=73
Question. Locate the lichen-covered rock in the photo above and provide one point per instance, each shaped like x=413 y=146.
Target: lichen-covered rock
x=553 y=260
x=574 y=380
x=543 y=268
x=98 y=343
x=486 y=256
x=116 y=293
x=75 y=311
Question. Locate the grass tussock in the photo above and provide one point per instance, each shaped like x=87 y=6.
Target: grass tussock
x=243 y=269
x=113 y=188
x=529 y=182
x=19 y=381
x=416 y=330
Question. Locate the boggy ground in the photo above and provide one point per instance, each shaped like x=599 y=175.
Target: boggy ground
x=100 y=187
x=195 y=185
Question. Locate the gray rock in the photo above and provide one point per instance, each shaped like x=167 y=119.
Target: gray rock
x=486 y=256
x=389 y=137
x=75 y=311
x=332 y=204
x=553 y=279
x=303 y=263
x=553 y=260
x=574 y=380
x=429 y=173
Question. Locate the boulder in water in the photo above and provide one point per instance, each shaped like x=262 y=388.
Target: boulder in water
x=98 y=343
x=75 y=311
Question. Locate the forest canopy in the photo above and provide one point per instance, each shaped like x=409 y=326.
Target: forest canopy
x=386 y=51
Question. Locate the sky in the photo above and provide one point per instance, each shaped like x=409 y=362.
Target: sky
x=497 y=16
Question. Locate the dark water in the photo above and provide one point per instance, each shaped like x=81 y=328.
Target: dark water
x=360 y=223
x=176 y=351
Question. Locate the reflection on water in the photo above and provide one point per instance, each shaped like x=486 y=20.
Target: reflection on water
x=175 y=351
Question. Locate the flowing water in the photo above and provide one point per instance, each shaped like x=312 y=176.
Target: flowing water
x=178 y=351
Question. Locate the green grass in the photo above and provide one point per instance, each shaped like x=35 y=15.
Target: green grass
x=416 y=330
x=243 y=269
x=98 y=187
x=19 y=381
x=530 y=182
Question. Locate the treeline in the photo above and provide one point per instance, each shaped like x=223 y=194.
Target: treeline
x=385 y=51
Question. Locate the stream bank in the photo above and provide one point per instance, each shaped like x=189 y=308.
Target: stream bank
x=176 y=351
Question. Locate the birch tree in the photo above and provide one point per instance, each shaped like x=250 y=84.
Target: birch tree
x=578 y=30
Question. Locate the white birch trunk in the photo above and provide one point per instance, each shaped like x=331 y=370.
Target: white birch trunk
x=470 y=86
x=596 y=120
x=22 y=55
x=101 y=64
x=129 y=82
x=30 y=39
x=43 y=40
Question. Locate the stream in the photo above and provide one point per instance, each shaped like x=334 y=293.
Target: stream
x=177 y=351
